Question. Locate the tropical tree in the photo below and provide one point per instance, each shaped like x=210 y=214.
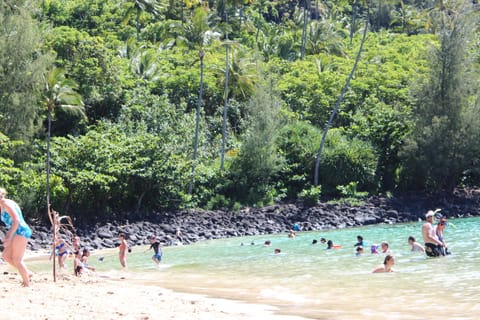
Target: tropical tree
x=200 y=24
x=440 y=147
x=340 y=98
x=21 y=67
x=59 y=92
x=144 y=64
x=259 y=161
x=136 y=7
x=306 y=14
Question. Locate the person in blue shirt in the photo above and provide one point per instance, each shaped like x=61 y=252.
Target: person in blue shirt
x=155 y=245
x=359 y=242
x=16 y=239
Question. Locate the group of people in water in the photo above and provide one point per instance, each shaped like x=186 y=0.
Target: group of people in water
x=16 y=240
x=433 y=237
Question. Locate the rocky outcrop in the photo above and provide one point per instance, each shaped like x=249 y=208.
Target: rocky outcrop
x=190 y=226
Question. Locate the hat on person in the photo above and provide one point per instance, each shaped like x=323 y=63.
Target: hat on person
x=429 y=214
x=432 y=213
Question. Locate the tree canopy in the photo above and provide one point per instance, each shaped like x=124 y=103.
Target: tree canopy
x=408 y=121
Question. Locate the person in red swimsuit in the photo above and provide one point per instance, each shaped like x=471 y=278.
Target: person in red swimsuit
x=122 y=253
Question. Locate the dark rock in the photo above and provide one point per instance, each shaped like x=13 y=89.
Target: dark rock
x=105 y=234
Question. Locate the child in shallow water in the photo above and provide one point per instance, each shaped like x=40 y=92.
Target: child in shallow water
x=387 y=266
x=359 y=251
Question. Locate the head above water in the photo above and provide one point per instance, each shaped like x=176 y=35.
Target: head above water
x=442 y=223
x=389 y=259
x=359 y=238
x=431 y=214
x=411 y=239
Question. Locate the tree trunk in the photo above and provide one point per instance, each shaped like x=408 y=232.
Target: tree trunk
x=304 y=31
x=225 y=105
x=339 y=100
x=138 y=24
x=197 y=122
x=352 y=25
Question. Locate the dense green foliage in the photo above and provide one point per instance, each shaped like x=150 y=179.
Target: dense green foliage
x=130 y=72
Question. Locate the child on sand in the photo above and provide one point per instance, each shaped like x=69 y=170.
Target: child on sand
x=155 y=245
x=85 y=255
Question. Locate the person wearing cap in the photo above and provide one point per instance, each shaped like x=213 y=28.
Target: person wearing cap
x=433 y=246
x=439 y=233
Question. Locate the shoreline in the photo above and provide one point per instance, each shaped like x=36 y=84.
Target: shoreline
x=186 y=304
x=116 y=297
x=199 y=225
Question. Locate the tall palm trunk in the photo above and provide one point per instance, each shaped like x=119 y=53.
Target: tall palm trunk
x=137 y=22
x=352 y=24
x=304 y=31
x=197 y=122
x=340 y=98
x=225 y=105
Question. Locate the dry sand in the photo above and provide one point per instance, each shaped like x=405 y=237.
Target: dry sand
x=115 y=297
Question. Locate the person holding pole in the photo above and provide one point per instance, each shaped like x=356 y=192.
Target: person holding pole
x=16 y=239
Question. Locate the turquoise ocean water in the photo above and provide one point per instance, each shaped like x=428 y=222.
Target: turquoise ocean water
x=310 y=281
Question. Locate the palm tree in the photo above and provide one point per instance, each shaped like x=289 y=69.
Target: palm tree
x=144 y=64
x=340 y=98
x=197 y=30
x=59 y=92
x=306 y=6
x=136 y=7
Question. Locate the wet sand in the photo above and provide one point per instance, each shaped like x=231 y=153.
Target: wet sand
x=113 y=296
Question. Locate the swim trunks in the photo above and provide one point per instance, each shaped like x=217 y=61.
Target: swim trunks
x=23 y=229
x=433 y=250
x=157 y=257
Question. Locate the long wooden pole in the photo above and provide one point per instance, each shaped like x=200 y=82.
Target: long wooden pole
x=47 y=187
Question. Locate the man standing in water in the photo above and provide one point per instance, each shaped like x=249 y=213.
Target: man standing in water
x=433 y=246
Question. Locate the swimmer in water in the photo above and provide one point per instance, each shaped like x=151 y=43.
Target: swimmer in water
x=387 y=266
x=416 y=247
x=277 y=251
x=359 y=242
x=329 y=244
x=385 y=247
x=359 y=251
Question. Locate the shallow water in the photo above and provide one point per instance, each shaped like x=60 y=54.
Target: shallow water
x=310 y=281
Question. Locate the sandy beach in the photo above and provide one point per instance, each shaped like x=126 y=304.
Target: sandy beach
x=113 y=297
